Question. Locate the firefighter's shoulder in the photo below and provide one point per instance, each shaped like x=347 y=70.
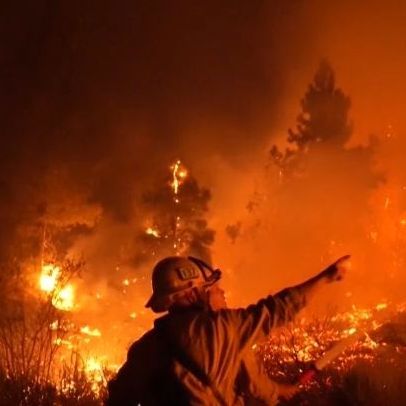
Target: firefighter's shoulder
x=145 y=344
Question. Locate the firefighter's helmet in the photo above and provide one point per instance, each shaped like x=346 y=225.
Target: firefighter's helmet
x=173 y=275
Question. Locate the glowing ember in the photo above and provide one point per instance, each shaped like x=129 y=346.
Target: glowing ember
x=59 y=341
x=350 y=331
x=90 y=332
x=381 y=306
x=126 y=282
x=49 y=277
x=152 y=231
x=54 y=325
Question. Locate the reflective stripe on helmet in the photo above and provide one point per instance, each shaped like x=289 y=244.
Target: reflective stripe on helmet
x=173 y=275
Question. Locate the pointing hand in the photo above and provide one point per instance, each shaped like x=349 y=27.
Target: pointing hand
x=336 y=271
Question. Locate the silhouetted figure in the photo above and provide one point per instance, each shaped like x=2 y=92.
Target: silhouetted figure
x=200 y=352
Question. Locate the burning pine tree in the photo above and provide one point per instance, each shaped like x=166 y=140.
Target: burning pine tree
x=176 y=217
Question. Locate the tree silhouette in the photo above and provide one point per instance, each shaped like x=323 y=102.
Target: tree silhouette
x=321 y=187
x=323 y=121
x=324 y=116
x=176 y=222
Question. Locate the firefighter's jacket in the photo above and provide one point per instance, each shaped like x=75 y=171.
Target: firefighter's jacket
x=209 y=354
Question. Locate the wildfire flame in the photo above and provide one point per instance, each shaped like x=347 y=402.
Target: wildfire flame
x=310 y=340
x=59 y=341
x=179 y=174
x=381 y=306
x=152 y=231
x=49 y=277
x=65 y=298
x=90 y=332
x=94 y=371
x=62 y=297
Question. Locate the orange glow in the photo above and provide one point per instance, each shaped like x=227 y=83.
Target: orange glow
x=90 y=332
x=94 y=371
x=381 y=306
x=152 y=231
x=49 y=277
x=64 y=299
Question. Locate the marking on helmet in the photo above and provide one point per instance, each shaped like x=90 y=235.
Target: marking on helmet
x=188 y=273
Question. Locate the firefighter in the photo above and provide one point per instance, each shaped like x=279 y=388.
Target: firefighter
x=200 y=352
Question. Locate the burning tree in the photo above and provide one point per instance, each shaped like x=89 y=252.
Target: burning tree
x=37 y=292
x=176 y=217
x=34 y=322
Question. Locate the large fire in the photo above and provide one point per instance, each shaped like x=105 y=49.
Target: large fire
x=302 y=342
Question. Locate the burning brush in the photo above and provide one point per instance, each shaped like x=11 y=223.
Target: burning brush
x=329 y=356
x=345 y=342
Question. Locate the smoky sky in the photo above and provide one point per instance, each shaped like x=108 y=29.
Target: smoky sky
x=102 y=96
x=116 y=90
x=110 y=93
x=73 y=72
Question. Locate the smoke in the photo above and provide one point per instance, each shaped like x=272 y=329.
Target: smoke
x=97 y=103
x=113 y=95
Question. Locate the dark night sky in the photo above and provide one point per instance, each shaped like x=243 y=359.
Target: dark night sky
x=116 y=90
x=163 y=61
x=99 y=85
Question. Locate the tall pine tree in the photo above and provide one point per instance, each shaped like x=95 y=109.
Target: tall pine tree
x=323 y=120
x=320 y=201
x=324 y=115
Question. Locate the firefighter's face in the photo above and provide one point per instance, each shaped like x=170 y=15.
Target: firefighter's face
x=216 y=297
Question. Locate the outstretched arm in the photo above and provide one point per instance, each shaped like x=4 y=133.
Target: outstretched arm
x=256 y=321
x=333 y=273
